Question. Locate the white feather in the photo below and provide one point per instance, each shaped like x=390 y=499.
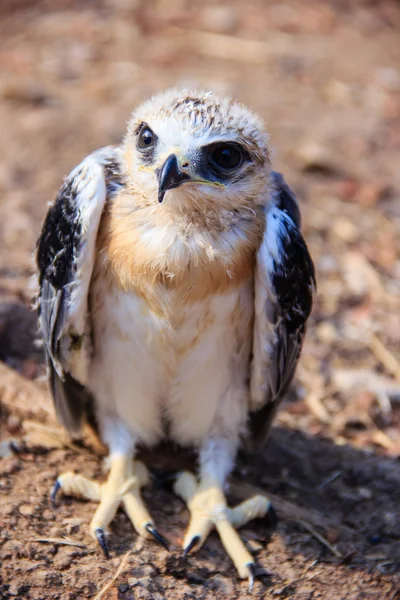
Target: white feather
x=90 y=183
x=270 y=251
x=147 y=371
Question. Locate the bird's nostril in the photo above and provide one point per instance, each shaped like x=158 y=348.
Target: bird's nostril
x=184 y=165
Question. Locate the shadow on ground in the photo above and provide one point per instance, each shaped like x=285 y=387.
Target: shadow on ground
x=348 y=497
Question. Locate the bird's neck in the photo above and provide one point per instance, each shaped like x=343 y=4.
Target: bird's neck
x=192 y=252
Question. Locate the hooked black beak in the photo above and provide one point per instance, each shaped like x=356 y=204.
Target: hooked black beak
x=169 y=176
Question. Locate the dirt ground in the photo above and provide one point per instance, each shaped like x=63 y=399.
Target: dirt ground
x=326 y=78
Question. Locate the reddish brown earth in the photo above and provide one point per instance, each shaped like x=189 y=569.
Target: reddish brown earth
x=326 y=77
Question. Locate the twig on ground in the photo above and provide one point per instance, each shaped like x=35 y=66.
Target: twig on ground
x=315 y=392
x=61 y=542
x=349 y=380
x=320 y=538
x=317 y=408
x=330 y=479
x=384 y=404
x=379 y=437
x=384 y=355
x=117 y=573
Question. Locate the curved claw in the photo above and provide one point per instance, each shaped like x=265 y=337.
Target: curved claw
x=54 y=492
x=193 y=542
x=101 y=538
x=157 y=536
x=251 y=569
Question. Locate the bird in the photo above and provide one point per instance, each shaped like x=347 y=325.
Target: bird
x=175 y=287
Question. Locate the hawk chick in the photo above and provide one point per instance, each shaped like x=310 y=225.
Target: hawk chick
x=175 y=286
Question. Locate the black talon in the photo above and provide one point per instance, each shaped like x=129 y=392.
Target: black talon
x=251 y=567
x=54 y=492
x=157 y=536
x=193 y=542
x=101 y=538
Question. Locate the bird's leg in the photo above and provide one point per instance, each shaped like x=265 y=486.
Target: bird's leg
x=122 y=487
x=208 y=507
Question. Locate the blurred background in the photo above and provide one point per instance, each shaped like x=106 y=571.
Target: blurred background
x=326 y=79
x=325 y=76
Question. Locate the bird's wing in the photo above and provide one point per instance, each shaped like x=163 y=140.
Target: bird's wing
x=65 y=258
x=284 y=287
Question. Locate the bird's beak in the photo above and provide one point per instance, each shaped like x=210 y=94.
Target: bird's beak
x=170 y=176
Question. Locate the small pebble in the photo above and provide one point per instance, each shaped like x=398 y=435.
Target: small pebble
x=62 y=561
x=13 y=589
x=390 y=518
x=332 y=535
x=254 y=546
x=26 y=510
x=194 y=578
x=365 y=493
x=124 y=587
x=327 y=332
x=10 y=466
x=6 y=448
x=12 y=548
x=139 y=544
x=316 y=157
x=375 y=539
x=344 y=229
x=13 y=423
x=143 y=571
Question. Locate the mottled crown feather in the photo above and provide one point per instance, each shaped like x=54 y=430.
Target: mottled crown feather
x=204 y=113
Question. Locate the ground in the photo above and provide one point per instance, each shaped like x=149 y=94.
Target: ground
x=326 y=78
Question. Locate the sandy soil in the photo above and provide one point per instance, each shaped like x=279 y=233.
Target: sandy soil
x=326 y=78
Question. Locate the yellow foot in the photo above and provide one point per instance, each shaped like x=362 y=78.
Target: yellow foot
x=121 y=488
x=208 y=509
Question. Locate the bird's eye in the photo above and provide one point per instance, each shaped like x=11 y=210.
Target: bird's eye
x=227 y=156
x=146 y=138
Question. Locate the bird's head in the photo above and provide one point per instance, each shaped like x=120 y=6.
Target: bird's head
x=186 y=149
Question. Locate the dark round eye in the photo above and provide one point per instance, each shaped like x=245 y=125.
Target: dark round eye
x=227 y=156
x=145 y=138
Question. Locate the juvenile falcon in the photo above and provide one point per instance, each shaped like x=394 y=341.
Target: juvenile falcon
x=175 y=286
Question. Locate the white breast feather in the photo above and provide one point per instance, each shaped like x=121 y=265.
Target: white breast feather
x=147 y=372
